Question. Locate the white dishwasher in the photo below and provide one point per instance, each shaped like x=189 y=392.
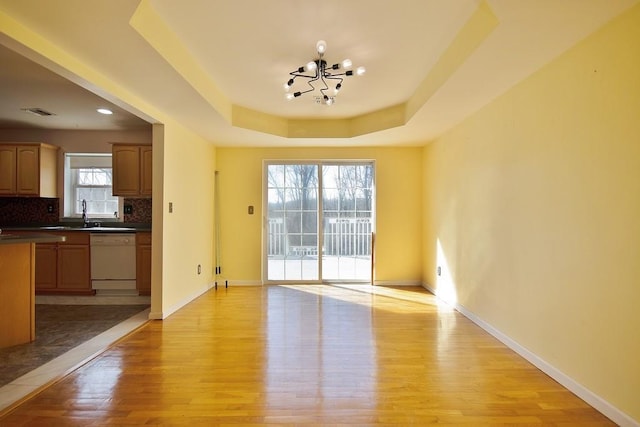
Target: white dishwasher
x=113 y=263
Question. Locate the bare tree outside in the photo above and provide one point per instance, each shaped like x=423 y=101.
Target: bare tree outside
x=293 y=211
x=355 y=185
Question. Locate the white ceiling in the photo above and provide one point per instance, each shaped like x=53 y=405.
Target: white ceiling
x=26 y=84
x=198 y=60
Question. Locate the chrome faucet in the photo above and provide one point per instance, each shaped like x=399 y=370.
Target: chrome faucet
x=85 y=219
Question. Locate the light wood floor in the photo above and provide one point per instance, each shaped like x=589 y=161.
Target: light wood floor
x=307 y=355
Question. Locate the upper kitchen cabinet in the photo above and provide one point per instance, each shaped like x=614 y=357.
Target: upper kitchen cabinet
x=28 y=170
x=146 y=177
x=132 y=167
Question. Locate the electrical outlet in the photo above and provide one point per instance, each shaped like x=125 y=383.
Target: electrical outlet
x=199 y=269
x=170 y=207
x=128 y=209
x=439 y=271
x=250 y=210
x=50 y=208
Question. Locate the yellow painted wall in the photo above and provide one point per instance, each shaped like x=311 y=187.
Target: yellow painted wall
x=398 y=222
x=187 y=232
x=535 y=203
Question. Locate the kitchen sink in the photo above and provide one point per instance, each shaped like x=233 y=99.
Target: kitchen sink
x=81 y=228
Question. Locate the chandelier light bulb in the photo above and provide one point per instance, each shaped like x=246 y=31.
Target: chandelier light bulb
x=311 y=66
x=289 y=96
x=360 y=71
x=346 y=63
x=321 y=46
x=288 y=85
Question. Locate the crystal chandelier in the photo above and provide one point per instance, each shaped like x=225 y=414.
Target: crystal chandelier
x=320 y=76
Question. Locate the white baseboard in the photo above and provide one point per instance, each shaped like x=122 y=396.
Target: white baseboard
x=606 y=408
x=154 y=315
x=376 y=283
x=242 y=283
x=396 y=283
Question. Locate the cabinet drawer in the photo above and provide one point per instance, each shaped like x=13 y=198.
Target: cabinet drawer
x=76 y=238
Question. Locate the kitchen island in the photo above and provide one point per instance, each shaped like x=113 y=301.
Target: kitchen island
x=17 y=286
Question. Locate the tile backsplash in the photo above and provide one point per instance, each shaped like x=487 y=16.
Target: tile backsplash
x=140 y=210
x=40 y=210
x=29 y=210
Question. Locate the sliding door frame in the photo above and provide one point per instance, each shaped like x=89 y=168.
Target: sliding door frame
x=319 y=213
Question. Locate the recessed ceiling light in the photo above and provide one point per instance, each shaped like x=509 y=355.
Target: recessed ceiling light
x=104 y=111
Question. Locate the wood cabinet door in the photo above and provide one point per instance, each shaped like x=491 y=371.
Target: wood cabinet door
x=28 y=168
x=143 y=270
x=146 y=169
x=46 y=266
x=48 y=171
x=7 y=169
x=74 y=268
x=126 y=170
x=143 y=263
x=16 y=295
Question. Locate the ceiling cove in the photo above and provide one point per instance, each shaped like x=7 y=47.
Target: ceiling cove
x=160 y=36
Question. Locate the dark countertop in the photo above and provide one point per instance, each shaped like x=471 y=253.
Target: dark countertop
x=14 y=239
x=115 y=228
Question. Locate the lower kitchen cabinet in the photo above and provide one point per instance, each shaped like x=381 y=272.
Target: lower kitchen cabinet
x=65 y=267
x=46 y=266
x=143 y=263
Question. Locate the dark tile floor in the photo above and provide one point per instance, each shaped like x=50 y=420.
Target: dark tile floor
x=59 y=328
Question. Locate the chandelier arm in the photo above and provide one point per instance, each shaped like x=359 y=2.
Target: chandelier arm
x=326 y=86
x=308 y=90
x=311 y=80
x=335 y=77
x=345 y=74
x=297 y=74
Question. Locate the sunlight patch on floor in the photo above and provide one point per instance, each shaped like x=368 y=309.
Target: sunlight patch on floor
x=396 y=299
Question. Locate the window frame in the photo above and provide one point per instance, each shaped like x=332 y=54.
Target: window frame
x=73 y=164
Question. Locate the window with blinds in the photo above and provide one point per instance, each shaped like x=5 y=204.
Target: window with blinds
x=89 y=177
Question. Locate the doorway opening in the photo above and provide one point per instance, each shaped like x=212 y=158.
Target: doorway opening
x=320 y=220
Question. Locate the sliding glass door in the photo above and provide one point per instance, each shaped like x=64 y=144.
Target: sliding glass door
x=319 y=221
x=347 y=212
x=292 y=222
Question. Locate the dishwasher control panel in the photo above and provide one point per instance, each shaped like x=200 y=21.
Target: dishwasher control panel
x=112 y=239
